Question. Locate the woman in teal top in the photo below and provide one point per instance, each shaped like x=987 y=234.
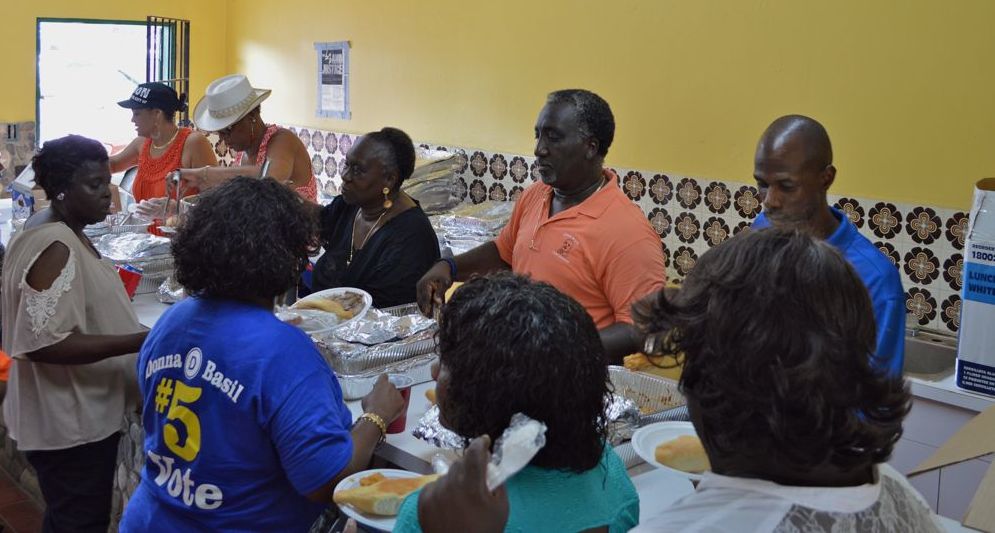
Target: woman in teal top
x=508 y=345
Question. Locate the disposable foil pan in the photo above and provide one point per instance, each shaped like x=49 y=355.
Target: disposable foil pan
x=154 y=271
x=357 y=367
x=419 y=369
x=653 y=394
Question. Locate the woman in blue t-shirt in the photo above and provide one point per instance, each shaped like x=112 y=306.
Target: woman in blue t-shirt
x=549 y=365
x=245 y=428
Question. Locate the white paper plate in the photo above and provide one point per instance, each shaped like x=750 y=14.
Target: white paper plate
x=381 y=523
x=367 y=303
x=647 y=438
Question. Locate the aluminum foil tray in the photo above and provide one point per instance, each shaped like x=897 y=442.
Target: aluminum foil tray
x=653 y=394
x=154 y=271
x=356 y=373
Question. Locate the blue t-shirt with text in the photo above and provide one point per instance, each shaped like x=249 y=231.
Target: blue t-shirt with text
x=242 y=417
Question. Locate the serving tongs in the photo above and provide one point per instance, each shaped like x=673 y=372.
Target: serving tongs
x=173 y=177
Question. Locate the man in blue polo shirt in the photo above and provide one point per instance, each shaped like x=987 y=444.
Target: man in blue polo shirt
x=793 y=167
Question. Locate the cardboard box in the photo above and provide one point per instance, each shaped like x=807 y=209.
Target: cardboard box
x=976 y=348
x=975 y=439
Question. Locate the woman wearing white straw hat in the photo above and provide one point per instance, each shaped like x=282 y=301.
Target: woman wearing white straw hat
x=231 y=107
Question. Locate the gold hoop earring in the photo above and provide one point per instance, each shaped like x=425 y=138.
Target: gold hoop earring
x=387 y=202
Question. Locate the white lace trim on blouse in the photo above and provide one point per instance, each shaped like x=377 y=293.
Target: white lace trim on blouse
x=41 y=304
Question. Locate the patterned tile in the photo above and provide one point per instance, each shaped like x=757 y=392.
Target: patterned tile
x=345 y=144
x=518 y=169
x=478 y=164
x=953 y=271
x=498 y=167
x=684 y=260
x=920 y=304
x=743 y=224
x=516 y=193
x=688 y=193
x=950 y=312
x=716 y=231
x=923 y=225
x=687 y=227
x=957 y=229
x=718 y=199
x=747 y=202
x=661 y=189
x=317 y=165
x=634 y=186
x=331 y=167
x=498 y=193
x=921 y=266
x=462 y=189
x=888 y=249
x=331 y=142
x=305 y=136
x=885 y=220
x=661 y=222
x=478 y=191
x=317 y=141
x=852 y=209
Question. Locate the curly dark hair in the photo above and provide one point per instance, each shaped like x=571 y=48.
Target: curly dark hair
x=401 y=149
x=596 y=118
x=248 y=239
x=778 y=333
x=56 y=164
x=549 y=364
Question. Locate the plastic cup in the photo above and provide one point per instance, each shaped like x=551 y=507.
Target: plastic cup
x=403 y=384
x=131 y=277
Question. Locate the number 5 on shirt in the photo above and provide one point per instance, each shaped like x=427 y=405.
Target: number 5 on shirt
x=180 y=414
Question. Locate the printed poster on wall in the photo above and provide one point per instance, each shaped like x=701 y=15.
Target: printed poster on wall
x=333 y=79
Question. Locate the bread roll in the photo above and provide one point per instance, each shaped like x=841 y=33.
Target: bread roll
x=685 y=453
x=430 y=394
x=324 y=304
x=383 y=498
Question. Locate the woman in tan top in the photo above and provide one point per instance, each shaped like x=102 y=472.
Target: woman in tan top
x=66 y=323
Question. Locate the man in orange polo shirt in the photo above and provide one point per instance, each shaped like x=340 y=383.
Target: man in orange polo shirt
x=575 y=229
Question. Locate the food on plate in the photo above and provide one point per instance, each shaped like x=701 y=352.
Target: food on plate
x=640 y=362
x=383 y=497
x=344 y=305
x=372 y=480
x=430 y=394
x=685 y=453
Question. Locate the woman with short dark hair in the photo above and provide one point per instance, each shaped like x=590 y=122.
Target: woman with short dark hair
x=509 y=345
x=376 y=237
x=777 y=331
x=72 y=333
x=245 y=427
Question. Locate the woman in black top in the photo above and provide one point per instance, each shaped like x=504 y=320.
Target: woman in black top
x=376 y=237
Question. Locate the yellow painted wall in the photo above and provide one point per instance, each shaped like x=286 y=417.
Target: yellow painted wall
x=904 y=87
x=18 y=30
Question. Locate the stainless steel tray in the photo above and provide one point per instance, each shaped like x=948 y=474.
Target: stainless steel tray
x=653 y=394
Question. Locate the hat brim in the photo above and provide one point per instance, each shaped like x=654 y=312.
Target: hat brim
x=131 y=104
x=205 y=122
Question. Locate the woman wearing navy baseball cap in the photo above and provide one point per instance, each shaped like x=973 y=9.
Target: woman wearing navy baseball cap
x=161 y=146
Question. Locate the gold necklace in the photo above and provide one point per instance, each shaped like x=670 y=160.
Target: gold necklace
x=352 y=241
x=161 y=146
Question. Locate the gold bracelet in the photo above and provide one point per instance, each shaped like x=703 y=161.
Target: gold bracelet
x=377 y=421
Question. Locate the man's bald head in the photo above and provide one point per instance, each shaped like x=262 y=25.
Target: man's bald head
x=798 y=132
x=793 y=167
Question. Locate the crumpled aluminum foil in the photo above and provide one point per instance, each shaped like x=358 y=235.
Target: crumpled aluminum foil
x=131 y=246
x=621 y=413
x=431 y=430
x=484 y=219
x=170 y=291
x=378 y=327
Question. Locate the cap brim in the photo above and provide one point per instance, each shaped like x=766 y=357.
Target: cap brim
x=131 y=104
x=205 y=122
